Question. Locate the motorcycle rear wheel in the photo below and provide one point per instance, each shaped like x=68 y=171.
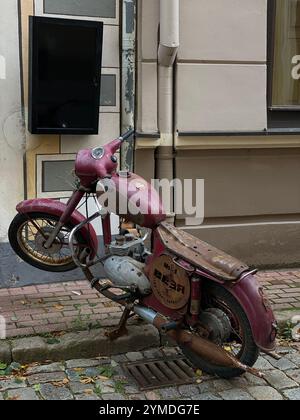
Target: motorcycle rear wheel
x=218 y=297
x=28 y=232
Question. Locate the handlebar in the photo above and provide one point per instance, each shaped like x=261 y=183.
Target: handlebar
x=127 y=135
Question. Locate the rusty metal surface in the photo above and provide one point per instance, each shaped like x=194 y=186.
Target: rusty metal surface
x=201 y=254
x=159 y=373
x=205 y=349
x=170 y=283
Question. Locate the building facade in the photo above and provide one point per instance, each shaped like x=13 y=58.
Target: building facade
x=213 y=89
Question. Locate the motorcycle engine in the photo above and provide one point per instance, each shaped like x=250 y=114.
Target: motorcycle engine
x=129 y=245
x=125 y=272
x=125 y=267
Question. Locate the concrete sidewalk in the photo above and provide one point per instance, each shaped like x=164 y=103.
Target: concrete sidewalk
x=74 y=306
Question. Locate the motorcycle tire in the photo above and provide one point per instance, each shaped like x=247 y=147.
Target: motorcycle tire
x=30 y=256
x=249 y=352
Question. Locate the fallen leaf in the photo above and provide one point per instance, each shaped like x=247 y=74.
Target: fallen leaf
x=78 y=369
x=59 y=307
x=61 y=384
x=88 y=391
x=199 y=373
x=87 y=381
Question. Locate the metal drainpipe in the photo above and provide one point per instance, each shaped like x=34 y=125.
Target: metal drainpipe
x=128 y=79
x=167 y=52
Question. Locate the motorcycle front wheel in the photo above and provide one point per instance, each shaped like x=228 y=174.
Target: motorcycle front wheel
x=229 y=327
x=27 y=235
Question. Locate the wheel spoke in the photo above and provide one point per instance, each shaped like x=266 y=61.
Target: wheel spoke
x=31 y=238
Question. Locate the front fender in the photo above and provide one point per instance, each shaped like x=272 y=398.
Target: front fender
x=250 y=294
x=56 y=208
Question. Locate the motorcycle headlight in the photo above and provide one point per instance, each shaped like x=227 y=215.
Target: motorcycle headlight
x=97 y=153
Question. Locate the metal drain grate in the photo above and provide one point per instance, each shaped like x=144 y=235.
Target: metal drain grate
x=159 y=373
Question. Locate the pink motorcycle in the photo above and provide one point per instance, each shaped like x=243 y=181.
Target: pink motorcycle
x=207 y=301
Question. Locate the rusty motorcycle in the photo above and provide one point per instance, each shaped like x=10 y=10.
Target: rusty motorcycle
x=207 y=301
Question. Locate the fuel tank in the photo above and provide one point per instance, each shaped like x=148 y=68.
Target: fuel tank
x=136 y=200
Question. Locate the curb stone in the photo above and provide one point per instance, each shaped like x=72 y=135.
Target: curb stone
x=78 y=345
x=5 y=352
x=87 y=344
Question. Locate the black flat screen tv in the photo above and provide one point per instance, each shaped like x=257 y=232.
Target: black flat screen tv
x=64 y=76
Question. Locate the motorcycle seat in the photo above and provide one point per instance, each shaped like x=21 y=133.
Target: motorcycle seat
x=200 y=254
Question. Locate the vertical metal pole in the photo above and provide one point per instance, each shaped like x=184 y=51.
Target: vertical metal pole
x=128 y=79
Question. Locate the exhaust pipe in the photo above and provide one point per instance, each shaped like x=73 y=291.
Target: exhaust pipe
x=202 y=347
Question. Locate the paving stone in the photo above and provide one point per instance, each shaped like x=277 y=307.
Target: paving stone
x=54 y=393
x=114 y=396
x=41 y=378
x=137 y=397
x=264 y=393
x=236 y=395
x=79 y=388
x=120 y=358
x=220 y=385
x=295 y=358
x=294 y=374
x=206 y=397
x=11 y=383
x=87 y=397
x=22 y=394
x=240 y=382
x=134 y=356
x=91 y=372
x=283 y=364
x=254 y=380
x=292 y=394
x=206 y=387
x=279 y=380
x=82 y=363
x=53 y=367
x=171 y=393
x=152 y=395
x=73 y=375
x=188 y=390
x=171 y=351
x=263 y=364
x=1 y=397
x=105 y=389
x=152 y=354
x=131 y=389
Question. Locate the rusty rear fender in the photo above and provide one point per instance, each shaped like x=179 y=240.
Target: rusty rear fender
x=251 y=296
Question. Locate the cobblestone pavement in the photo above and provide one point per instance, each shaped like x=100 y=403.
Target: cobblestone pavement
x=103 y=379
x=67 y=306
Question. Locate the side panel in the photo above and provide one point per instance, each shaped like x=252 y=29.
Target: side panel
x=57 y=208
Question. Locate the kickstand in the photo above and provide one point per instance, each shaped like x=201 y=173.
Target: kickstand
x=121 y=329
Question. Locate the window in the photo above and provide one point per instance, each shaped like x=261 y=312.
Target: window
x=284 y=60
x=91 y=8
x=55 y=178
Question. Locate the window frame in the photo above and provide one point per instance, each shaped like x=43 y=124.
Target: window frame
x=285 y=118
